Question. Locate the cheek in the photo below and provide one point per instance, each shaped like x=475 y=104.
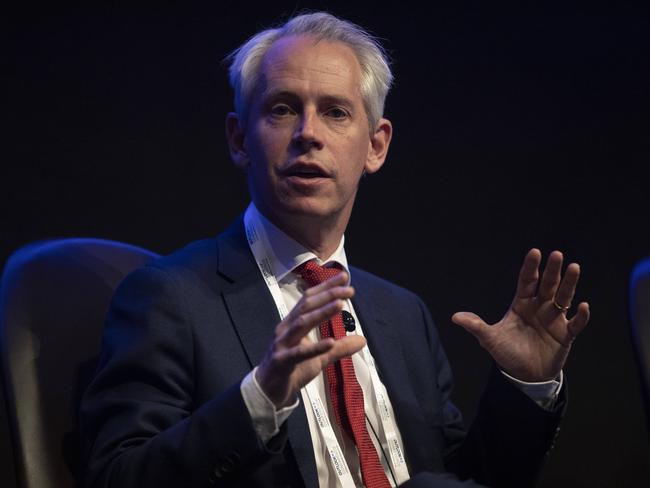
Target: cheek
x=269 y=146
x=355 y=153
x=265 y=154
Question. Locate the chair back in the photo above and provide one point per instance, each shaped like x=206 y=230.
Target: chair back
x=639 y=301
x=53 y=299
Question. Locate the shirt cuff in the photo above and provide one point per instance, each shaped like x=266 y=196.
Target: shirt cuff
x=543 y=393
x=266 y=419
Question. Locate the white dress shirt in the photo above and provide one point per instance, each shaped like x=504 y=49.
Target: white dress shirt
x=286 y=255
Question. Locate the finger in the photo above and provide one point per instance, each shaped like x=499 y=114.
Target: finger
x=567 y=288
x=344 y=347
x=310 y=303
x=275 y=369
x=551 y=277
x=579 y=320
x=331 y=350
x=529 y=274
x=288 y=358
x=301 y=326
x=336 y=280
x=473 y=324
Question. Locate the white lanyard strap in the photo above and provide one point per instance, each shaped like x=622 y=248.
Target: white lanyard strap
x=258 y=242
x=387 y=420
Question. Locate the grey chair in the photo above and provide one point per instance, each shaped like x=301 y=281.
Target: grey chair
x=53 y=298
x=639 y=301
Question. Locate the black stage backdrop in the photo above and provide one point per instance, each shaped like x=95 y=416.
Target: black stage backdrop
x=514 y=128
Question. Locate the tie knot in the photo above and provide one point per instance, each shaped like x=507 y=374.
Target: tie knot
x=315 y=274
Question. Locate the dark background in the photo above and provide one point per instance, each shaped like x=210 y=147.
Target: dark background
x=514 y=128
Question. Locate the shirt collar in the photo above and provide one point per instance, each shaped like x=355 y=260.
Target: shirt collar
x=286 y=253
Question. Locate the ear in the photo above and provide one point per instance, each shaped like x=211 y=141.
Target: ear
x=378 y=146
x=235 y=134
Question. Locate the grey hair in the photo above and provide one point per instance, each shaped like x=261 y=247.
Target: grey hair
x=376 y=76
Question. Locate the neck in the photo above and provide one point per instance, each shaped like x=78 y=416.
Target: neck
x=318 y=234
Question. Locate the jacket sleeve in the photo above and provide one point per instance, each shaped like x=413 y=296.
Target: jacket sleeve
x=510 y=438
x=140 y=426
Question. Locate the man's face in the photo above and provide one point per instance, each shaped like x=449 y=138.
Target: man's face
x=307 y=139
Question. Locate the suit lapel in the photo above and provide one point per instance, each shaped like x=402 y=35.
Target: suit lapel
x=384 y=343
x=255 y=316
x=381 y=329
x=249 y=302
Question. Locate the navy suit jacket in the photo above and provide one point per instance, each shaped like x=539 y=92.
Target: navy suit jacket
x=165 y=407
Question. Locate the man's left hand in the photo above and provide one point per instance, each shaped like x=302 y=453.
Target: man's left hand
x=533 y=339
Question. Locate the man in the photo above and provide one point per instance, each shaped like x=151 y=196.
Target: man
x=260 y=358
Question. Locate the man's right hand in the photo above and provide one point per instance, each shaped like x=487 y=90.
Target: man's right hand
x=292 y=359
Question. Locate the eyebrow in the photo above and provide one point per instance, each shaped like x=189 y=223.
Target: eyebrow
x=272 y=95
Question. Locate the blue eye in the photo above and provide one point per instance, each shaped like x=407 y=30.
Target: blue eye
x=337 y=113
x=281 y=110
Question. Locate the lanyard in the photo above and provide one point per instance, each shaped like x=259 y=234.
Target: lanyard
x=259 y=245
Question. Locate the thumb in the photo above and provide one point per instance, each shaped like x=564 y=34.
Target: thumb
x=473 y=324
x=345 y=347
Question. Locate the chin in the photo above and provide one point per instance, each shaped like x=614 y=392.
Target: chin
x=308 y=209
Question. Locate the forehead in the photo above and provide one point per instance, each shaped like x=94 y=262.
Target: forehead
x=304 y=63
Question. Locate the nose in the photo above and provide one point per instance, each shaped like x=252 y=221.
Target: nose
x=308 y=133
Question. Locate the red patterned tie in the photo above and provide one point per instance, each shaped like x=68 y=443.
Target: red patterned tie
x=345 y=393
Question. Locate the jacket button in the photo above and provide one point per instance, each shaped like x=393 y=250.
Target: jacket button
x=230 y=462
x=227 y=465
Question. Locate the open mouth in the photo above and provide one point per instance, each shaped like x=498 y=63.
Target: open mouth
x=306 y=174
x=306 y=171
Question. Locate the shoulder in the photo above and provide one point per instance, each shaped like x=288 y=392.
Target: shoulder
x=201 y=268
x=166 y=279
x=196 y=257
x=383 y=291
x=393 y=304
x=205 y=259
